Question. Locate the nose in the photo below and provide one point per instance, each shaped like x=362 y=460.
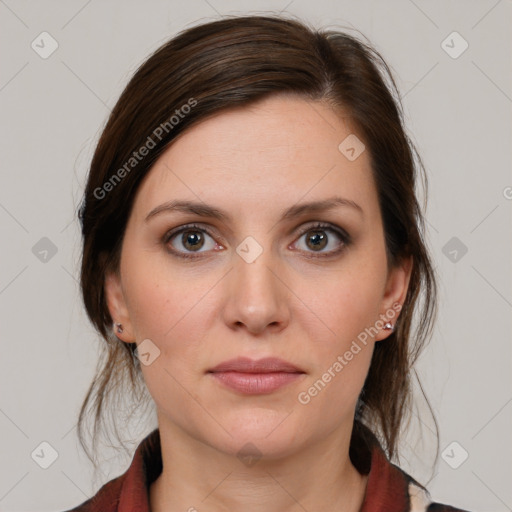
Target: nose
x=257 y=298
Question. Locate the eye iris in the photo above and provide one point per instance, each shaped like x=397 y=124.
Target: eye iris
x=192 y=240
x=318 y=239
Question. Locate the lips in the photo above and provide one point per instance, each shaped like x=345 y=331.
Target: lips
x=250 y=377
x=265 y=365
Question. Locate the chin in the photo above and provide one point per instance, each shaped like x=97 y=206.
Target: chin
x=268 y=433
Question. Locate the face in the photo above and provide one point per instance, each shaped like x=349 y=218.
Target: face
x=251 y=271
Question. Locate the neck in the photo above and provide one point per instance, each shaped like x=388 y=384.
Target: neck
x=196 y=476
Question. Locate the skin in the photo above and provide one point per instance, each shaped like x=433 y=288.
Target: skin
x=253 y=163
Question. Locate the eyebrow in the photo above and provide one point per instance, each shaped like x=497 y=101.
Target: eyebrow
x=206 y=210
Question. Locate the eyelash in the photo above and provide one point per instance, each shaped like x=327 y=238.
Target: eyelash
x=344 y=237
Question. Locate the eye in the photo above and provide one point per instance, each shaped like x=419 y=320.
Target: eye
x=190 y=239
x=321 y=238
x=315 y=238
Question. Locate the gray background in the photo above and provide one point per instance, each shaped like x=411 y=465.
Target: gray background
x=52 y=110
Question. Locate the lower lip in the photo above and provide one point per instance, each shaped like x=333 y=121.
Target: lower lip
x=256 y=383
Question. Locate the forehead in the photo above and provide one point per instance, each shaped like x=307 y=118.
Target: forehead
x=274 y=152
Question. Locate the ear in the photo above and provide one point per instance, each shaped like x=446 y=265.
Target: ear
x=395 y=292
x=117 y=307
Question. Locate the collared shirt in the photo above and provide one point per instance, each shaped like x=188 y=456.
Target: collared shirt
x=389 y=489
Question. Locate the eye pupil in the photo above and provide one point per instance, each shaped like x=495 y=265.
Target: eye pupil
x=192 y=240
x=318 y=239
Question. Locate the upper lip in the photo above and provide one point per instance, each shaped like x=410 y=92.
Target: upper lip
x=247 y=365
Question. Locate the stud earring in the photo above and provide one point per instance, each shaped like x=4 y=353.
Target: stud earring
x=119 y=327
x=389 y=326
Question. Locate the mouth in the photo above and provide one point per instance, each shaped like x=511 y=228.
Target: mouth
x=254 y=377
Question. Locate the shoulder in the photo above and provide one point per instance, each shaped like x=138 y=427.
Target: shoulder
x=439 y=507
x=420 y=500
x=129 y=491
x=389 y=487
x=106 y=499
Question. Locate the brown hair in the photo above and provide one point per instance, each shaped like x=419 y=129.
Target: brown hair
x=233 y=62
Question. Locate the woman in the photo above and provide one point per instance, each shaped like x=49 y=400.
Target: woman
x=253 y=250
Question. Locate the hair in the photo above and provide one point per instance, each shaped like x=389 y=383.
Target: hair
x=233 y=62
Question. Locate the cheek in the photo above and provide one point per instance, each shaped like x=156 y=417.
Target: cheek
x=174 y=310
x=346 y=305
x=346 y=302
x=342 y=358
x=161 y=299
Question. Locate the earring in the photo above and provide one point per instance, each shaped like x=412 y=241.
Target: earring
x=119 y=327
x=389 y=326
